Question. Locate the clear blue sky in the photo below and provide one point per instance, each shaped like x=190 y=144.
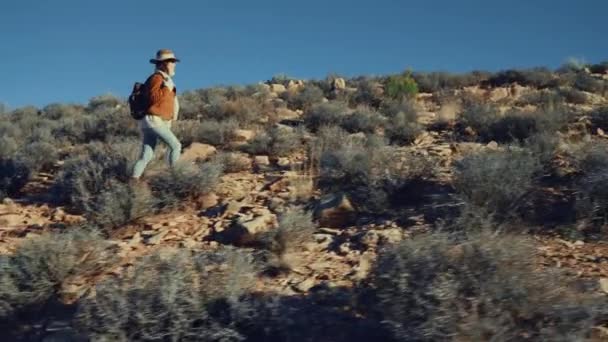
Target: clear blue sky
x=71 y=50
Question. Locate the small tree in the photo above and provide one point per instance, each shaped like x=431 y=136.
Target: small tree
x=401 y=86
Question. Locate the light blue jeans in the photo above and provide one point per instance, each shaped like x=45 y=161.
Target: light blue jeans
x=154 y=129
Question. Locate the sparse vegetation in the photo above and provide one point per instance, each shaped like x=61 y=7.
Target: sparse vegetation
x=171 y=295
x=474 y=156
x=438 y=288
x=496 y=182
x=186 y=181
x=38 y=270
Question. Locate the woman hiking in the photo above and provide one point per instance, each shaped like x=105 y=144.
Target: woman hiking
x=163 y=108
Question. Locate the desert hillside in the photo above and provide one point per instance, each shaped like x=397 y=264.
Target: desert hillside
x=406 y=207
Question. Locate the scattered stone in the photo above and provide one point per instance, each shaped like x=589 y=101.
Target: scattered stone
x=233 y=207
x=207 y=201
x=492 y=145
x=58 y=215
x=287 y=114
x=243 y=134
x=198 y=152
x=335 y=210
x=12 y=220
x=261 y=161
x=283 y=162
x=135 y=240
x=604 y=285
x=365 y=265
x=305 y=285
x=245 y=229
x=339 y=83
x=277 y=88
x=156 y=239
x=189 y=243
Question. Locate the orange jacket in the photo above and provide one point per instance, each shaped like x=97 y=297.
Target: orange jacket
x=161 y=98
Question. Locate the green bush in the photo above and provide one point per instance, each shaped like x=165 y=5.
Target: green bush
x=401 y=87
x=185 y=181
x=496 y=182
x=172 y=295
x=485 y=288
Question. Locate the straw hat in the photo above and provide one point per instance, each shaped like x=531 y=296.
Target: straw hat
x=164 y=55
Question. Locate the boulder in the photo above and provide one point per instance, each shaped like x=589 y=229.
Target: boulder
x=243 y=134
x=277 y=88
x=335 y=210
x=244 y=230
x=198 y=152
x=339 y=84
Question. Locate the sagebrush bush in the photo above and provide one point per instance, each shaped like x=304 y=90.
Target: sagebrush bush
x=438 y=81
x=275 y=142
x=119 y=204
x=535 y=77
x=402 y=125
x=545 y=98
x=488 y=124
x=586 y=82
x=484 y=288
x=232 y=162
x=185 y=181
x=39 y=156
x=599 y=68
x=325 y=114
x=496 y=182
x=8 y=146
x=35 y=273
x=172 y=295
x=592 y=200
x=295 y=229
x=305 y=97
x=574 y=96
x=599 y=118
x=14 y=175
x=103 y=125
x=371 y=172
x=370 y=92
x=86 y=175
x=363 y=119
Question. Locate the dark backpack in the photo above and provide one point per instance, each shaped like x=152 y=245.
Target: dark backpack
x=138 y=101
